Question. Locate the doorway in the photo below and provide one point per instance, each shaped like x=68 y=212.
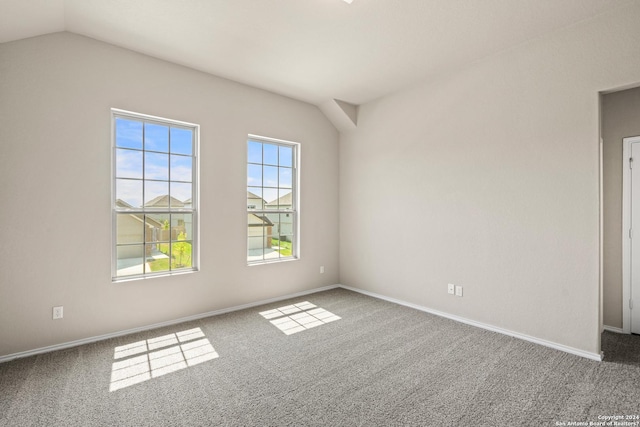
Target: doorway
x=631 y=235
x=619 y=122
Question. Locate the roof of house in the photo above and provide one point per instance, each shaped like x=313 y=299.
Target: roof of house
x=163 y=202
x=256 y=220
x=139 y=217
x=285 y=200
x=122 y=204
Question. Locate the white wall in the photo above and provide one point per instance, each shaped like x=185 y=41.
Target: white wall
x=491 y=176
x=56 y=92
x=620 y=119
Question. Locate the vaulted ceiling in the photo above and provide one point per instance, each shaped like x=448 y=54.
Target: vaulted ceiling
x=311 y=50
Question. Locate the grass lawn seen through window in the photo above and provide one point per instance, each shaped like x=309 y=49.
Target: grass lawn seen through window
x=180 y=256
x=281 y=246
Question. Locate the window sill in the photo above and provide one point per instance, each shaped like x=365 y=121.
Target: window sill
x=271 y=261
x=152 y=276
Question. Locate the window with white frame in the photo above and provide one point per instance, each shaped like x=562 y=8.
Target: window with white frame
x=154 y=200
x=272 y=197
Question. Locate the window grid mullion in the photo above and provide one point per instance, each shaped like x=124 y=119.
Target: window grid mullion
x=144 y=187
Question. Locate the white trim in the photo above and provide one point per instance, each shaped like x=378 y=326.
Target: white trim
x=600 y=234
x=89 y=340
x=614 y=329
x=161 y=120
x=550 y=344
x=276 y=140
x=626 y=225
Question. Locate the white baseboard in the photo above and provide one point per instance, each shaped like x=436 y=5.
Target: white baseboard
x=157 y=325
x=556 y=346
x=614 y=329
x=567 y=349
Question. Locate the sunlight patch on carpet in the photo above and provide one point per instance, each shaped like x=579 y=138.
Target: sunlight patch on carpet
x=143 y=360
x=298 y=317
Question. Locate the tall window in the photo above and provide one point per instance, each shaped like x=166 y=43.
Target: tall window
x=272 y=197
x=154 y=195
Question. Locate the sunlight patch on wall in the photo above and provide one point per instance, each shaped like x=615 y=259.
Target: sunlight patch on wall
x=298 y=317
x=140 y=361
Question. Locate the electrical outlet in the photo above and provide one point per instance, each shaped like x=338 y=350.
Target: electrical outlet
x=321 y=269
x=57 y=313
x=458 y=290
x=450 y=288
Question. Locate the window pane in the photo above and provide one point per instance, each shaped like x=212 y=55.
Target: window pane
x=128 y=133
x=273 y=219
x=259 y=234
x=128 y=163
x=270 y=196
x=181 y=168
x=157 y=237
x=181 y=226
x=156 y=166
x=286 y=177
x=130 y=228
x=181 y=254
x=282 y=224
x=286 y=226
x=255 y=248
x=254 y=175
x=254 y=152
x=254 y=199
x=130 y=260
x=270 y=176
x=156 y=194
x=181 y=141
x=282 y=234
x=286 y=156
x=128 y=193
x=157 y=229
x=180 y=194
x=157 y=257
x=270 y=152
x=285 y=199
x=156 y=137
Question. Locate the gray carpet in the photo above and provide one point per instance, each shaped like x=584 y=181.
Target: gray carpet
x=380 y=364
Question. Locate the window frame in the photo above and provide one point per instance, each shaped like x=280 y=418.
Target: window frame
x=295 y=198
x=193 y=210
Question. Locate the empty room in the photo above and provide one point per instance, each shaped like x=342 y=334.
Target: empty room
x=319 y=212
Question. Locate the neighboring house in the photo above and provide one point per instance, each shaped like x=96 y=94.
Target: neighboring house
x=182 y=225
x=260 y=228
x=283 y=223
x=163 y=202
x=130 y=229
x=254 y=202
x=259 y=232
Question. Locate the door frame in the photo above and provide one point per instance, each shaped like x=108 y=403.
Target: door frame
x=626 y=226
